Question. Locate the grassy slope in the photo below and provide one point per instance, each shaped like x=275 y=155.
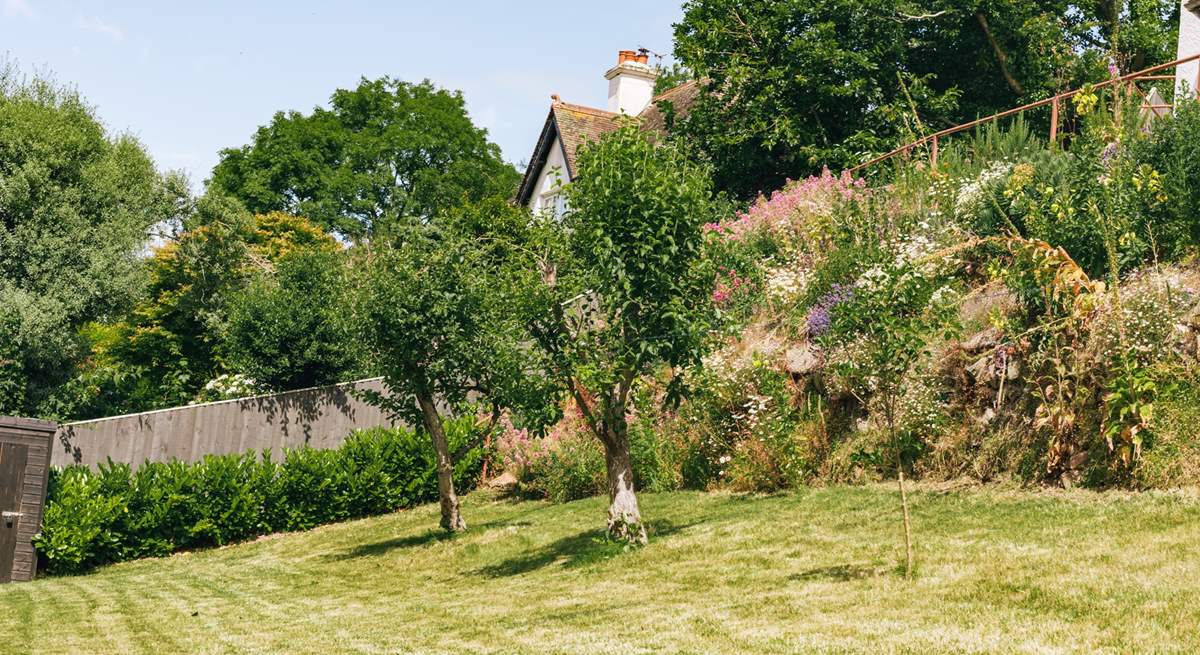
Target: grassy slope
x=812 y=571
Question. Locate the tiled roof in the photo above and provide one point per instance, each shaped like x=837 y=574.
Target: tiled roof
x=576 y=125
x=681 y=97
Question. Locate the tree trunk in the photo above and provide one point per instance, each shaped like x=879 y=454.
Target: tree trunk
x=452 y=519
x=624 y=519
x=908 y=548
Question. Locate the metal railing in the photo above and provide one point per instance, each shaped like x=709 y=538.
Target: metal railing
x=1054 y=101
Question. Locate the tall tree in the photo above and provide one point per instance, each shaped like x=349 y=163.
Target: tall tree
x=76 y=208
x=789 y=86
x=623 y=290
x=434 y=312
x=382 y=154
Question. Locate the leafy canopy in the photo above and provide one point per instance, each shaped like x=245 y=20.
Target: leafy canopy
x=384 y=153
x=628 y=264
x=172 y=342
x=286 y=329
x=435 y=313
x=794 y=85
x=76 y=208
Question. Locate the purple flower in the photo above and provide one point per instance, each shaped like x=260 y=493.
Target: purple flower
x=1106 y=155
x=818 y=321
x=819 y=317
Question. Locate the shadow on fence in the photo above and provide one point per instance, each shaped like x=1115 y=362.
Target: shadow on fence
x=320 y=417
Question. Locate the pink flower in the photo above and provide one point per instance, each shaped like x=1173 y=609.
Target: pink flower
x=791 y=205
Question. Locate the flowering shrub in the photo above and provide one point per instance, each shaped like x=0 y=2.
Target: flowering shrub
x=786 y=283
x=518 y=450
x=1141 y=327
x=791 y=210
x=819 y=318
x=226 y=387
x=973 y=193
x=743 y=429
x=566 y=464
x=729 y=287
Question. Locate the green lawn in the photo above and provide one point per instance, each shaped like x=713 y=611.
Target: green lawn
x=811 y=571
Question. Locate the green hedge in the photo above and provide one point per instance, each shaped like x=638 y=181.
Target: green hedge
x=118 y=514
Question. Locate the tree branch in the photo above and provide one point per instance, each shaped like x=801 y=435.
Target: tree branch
x=1001 y=58
x=925 y=16
x=479 y=438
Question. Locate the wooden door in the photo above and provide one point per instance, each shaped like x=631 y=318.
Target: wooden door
x=12 y=480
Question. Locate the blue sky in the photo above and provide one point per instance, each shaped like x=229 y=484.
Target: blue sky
x=191 y=78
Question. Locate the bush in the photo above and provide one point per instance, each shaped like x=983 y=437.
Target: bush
x=572 y=469
x=1172 y=149
x=285 y=330
x=116 y=513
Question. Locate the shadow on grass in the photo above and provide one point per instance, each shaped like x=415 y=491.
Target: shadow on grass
x=382 y=547
x=839 y=573
x=423 y=539
x=582 y=549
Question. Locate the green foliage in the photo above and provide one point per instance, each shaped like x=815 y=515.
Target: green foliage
x=792 y=86
x=76 y=208
x=1172 y=459
x=116 y=513
x=384 y=154
x=568 y=462
x=670 y=77
x=433 y=313
x=1171 y=152
x=631 y=262
x=171 y=344
x=572 y=469
x=746 y=429
x=624 y=290
x=285 y=331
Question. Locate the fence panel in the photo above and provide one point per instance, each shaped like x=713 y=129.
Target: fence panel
x=320 y=417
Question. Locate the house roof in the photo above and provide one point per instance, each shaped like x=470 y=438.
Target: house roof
x=575 y=125
x=681 y=97
x=578 y=125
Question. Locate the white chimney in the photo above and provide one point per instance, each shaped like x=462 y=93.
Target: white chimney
x=630 y=83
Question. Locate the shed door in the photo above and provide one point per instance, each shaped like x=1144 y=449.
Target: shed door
x=12 y=478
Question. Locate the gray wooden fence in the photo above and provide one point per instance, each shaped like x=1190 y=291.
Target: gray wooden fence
x=319 y=417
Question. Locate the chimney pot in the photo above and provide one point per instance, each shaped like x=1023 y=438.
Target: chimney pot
x=630 y=82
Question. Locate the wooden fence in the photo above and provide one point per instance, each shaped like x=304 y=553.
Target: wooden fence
x=319 y=417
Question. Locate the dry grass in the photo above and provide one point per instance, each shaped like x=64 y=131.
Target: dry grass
x=812 y=571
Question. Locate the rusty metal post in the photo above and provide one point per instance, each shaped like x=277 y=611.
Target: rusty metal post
x=1054 y=121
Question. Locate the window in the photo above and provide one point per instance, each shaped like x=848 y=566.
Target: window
x=553 y=202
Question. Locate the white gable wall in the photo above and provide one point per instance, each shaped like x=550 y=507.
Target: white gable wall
x=550 y=181
x=1189 y=44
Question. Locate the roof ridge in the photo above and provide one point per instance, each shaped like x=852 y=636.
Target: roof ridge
x=671 y=91
x=581 y=108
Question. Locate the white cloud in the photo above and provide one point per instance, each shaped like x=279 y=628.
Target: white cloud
x=99 y=26
x=19 y=8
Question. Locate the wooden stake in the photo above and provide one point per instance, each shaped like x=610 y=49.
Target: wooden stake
x=1054 y=121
